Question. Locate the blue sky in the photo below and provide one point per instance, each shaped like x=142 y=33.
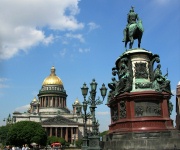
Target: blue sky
x=82 y=39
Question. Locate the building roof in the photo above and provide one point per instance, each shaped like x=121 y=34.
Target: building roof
x=59 y=120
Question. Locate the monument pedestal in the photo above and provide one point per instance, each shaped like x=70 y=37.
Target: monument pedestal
x=139 y=105
x=140 y=111
x=94 y=143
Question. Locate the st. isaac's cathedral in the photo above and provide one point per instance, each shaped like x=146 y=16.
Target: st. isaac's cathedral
x=51 y=111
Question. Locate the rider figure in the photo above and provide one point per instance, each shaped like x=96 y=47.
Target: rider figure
x=131 y=19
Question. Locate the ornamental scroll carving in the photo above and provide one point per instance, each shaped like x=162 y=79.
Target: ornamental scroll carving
x=122 y=109
x=114 y=113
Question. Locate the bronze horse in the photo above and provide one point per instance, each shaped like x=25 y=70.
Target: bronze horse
x=134 y=31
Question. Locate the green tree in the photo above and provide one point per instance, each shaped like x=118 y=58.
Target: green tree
x=3 y=134
x=79 y=143
x=104 y=133
x=27 y=132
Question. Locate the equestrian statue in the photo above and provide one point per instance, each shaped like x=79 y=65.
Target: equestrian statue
x=134 y=29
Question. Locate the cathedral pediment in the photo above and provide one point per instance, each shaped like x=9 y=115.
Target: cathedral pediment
x=58 y=120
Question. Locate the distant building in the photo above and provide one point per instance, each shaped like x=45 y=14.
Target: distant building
x=178 y=106
x=51 y=110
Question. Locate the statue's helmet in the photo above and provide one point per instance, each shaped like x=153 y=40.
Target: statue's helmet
x=132 y=9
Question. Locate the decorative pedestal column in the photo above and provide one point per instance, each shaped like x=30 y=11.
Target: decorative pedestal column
x=85 y=143
x=94 y=143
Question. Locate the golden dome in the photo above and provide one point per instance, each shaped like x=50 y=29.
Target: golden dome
x=76 y=102
x=52 y=78
x=34 y=100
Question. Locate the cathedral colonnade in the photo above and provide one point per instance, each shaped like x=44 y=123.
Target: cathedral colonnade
x=52 y=101
x=66 y=132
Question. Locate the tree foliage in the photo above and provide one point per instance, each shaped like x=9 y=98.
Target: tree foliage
x=79 y=143
x=104 y=133
x=27 y=132
x=3 y=134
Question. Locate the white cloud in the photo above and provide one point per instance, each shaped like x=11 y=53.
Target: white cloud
x=2 y=85
x=179 y=83
x=63 y=52
x=85 y=50
x=75 y=36
x=48 y=40
x=162 y=2
x=103 y=113
x=173 y=92
x=3 y=79
x=93 y=26
x=23 y=108
x=21 y=23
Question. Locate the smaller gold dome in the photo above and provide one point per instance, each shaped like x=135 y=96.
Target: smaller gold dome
x=76 y=101
x=52 y=79
x=34 y=100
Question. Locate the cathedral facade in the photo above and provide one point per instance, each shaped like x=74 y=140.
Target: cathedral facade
x=50 y=109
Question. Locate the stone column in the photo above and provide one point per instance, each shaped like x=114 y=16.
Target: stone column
x=43 y=102
x=55 y=101
x=40 y=101
x=59 y=102
x=64 y=102
x=72 y=135
x=50 y=131
x=49 y=101
x=76 y=129
x=61 y=132
x=66 y=135
x=56 y=131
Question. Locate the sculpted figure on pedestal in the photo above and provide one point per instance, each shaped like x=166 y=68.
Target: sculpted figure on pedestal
x=113 y=86
x=161 y=83
x=124 y=84
x=124 y=79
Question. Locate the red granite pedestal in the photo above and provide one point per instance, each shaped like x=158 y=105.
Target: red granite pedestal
x=145 y=111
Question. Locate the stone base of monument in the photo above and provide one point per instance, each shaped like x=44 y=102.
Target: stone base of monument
x=94 y=143
x=142 y=141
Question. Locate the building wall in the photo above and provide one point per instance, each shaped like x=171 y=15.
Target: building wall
x=178 y=107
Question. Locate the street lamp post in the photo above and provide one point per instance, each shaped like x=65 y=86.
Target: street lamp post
x=84 y=90
x=94 y=137
x=9 y=120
